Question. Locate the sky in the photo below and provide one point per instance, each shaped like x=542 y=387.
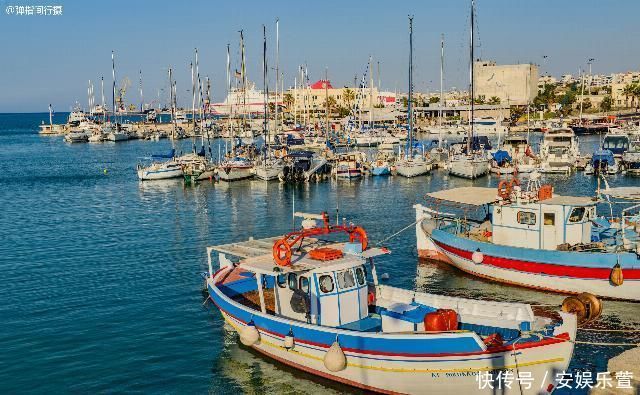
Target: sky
x=50 y=59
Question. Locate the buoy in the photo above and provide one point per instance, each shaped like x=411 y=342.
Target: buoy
x=384 y=276
x=477 y=257
x=104 y=171
x=616 y=276
x=249 y=335
x=593 y=305
x=334 y=359
x=575 y=306
x=288 y=340
x=587 y=307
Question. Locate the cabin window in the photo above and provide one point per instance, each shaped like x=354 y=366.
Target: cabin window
x=282 y=280
x=360 y=275
x=526 y=218
x=293 y=281
x=304 y=284
x=326 y=283
x=576 y=214
x=345 y=279
x=549 y=218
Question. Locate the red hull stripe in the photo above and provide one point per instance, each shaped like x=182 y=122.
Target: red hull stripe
x=547 y=269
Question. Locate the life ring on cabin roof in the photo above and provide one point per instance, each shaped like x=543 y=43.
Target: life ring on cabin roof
x=504 y=189
x=361 y=235
x=282 y=252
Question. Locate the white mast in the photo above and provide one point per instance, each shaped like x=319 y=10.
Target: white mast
x=50 y=116
x=370 y=94
x=104 y=110
x=277 y=71
x=113 y=75
x=193 y=106
x=441 y=90
x=141 y=96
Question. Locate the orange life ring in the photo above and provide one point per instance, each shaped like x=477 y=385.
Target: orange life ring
x=282 y=252
x=504 y=189
x=359 y=234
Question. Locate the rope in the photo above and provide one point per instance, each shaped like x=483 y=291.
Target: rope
x=595 y=343
x=609 y=330
x=398 y=232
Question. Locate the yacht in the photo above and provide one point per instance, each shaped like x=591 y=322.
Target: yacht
x=559 y=151
x=631 y=158
x=520 y=151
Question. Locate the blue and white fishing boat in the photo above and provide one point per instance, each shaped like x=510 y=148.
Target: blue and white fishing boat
x=317 y=306
x=533 y=238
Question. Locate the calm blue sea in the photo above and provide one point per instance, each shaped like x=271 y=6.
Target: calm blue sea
x=100 y=283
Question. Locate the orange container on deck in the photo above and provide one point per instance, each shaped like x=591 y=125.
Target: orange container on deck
x=325 y=254
x=545 y=192
x=441 y=320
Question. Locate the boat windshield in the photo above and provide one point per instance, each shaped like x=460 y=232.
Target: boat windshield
x=617 y=142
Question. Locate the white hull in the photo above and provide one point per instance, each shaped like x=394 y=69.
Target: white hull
x=433 y=375
x=160 y=171
x=234 y=173
x=468 y=168
x=412 y=168
x=114 y=137
x=268 y=173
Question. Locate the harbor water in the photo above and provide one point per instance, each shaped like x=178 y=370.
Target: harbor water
x=100 y=273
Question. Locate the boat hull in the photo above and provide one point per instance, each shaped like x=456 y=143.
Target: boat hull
x=531 y=268
x=268 y=173
x=405 y=370
x=230 y=174
x=412 y=169
x=159 y=174
x=468 y=169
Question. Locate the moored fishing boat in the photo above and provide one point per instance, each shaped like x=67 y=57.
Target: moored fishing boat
x=317 y=306
x=532 y=238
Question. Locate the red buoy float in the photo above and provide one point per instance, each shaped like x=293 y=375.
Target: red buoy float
x=441 y=320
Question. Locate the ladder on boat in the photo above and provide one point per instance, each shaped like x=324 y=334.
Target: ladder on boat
x=319 y=163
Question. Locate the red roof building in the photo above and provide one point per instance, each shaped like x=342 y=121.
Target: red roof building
x=321 y=84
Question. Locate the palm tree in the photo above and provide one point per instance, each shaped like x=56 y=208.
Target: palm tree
x=288 y=100
x=348 y=96
x=330 y=104
x=628 y=91
x=635 y=94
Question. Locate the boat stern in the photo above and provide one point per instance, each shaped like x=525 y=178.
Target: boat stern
x=425 y=222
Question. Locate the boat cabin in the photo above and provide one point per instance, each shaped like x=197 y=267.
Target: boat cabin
x=538 y=220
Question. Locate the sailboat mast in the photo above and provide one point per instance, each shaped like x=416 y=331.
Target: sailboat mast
x=244 y=83
x=471 y=89
x=277 y=71
x=113 y=96
x=326 y=102
x=141 y=96
x=370 y=93
x=50 y=117
x=265 y=88
x=104 y=110
x=229 y=122
x=441 y=90
x=173 y=129
x=410 y=98
x=193 y=108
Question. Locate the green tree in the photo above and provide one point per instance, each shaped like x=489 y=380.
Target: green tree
x=404 y=101
x=494 y=100
x=628 y=92
x=288 y=100
x=349 y=96
x=606 y=104
x=434 y=99
x=586 y=104
x=329 y=104
x=343 y=111
x=567 y=100
x=546 y=98
x=479 y=100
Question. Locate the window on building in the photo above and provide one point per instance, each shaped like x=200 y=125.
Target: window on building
x=282 y=280
x=345 y=279
x=326 y=283
x=577 y=214
x=304 y=284
x=549 y=218
x=293 y=281
x=526 y=218
x=360 y=275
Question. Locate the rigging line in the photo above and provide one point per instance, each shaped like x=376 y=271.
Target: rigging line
x=398 y=232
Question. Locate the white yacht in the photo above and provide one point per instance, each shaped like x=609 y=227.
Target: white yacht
x=468 y=166
x=235 y=169
x=559 y=151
